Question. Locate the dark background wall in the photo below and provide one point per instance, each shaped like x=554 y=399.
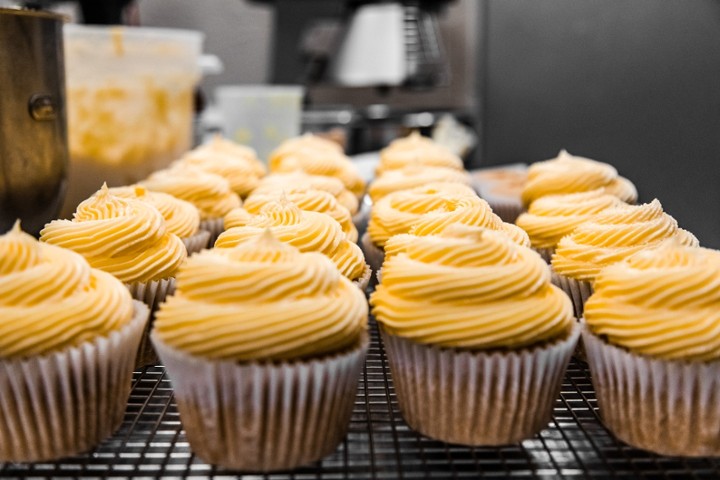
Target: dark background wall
x=632 y=83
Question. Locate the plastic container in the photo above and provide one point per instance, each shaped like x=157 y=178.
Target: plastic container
x=130 y=100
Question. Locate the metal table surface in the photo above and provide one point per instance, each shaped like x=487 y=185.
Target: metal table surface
x=152 y=444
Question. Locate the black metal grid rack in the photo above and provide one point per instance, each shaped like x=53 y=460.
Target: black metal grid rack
x=152 y=444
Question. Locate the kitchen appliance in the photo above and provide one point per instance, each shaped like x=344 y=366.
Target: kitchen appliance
x=33 y=134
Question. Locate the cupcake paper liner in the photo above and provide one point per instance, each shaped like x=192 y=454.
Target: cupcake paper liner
x=363 y=280
x=545 y=253
x=374 y=255
x=197 y=242
x=264 y=416
x=152 y=294
x=477 y=398
x=578 y=291
x=669 y=407
x=64 y=403
x=507 y=209
x=215 y=226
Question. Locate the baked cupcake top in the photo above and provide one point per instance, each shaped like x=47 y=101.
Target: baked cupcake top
x=235 y=163
x=663 y=303
x=471 y=290
x=398 y=212
x=416 y=150
x=615 y=235
x=261 y=300
x=278 y=182
x=181 y=217
x=414 y=176
x=122 y=236
x=309 y=199
x=307 y=231
x=550 y=218
x=320 y=162
x=50 y=298
x=211 y=194
x=570 y=174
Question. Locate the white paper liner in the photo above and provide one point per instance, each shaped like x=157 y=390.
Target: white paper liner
x=152 y=294
x=197 y=242
x=215 y=226
x=364 y=280
x=578 y=291
x=477 y=398
x=668 y=407
x=545 y=253
x=261 y=417
x=67 y=402
x=374 y=255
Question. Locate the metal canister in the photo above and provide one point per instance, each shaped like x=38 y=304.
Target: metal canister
x=33 y=125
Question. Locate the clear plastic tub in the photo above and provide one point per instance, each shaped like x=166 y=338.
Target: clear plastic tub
x=129 y=101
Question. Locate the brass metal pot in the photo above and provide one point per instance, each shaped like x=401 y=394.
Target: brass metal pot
x=33 y=128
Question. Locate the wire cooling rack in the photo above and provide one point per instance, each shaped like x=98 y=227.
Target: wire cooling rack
x=152 y=444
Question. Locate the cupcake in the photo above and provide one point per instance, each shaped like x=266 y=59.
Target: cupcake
x=416 y=150
x=128 y=239
x=502 y=188
x=309 y=199
x=68 y=339
x=652 y=337
x=414 y=176
x=264 y=346
x=237 y=164
x=306 y=230
x=306 y=141
x=550 y=218
x=570 y=174
x=612 y=236
x=398 y=212
x=211 y=194
x=181 y=217
x=477 y=337
x=278 y=182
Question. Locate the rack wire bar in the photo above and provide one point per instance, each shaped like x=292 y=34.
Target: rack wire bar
x=379 y=445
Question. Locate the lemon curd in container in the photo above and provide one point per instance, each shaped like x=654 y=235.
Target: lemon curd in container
x=130 y=103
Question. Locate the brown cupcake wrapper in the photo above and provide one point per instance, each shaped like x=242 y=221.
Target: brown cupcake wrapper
x=263 y=417
x=669 y=407
x=363 y=280
x=374 y=255
x=67 y=402
x=215 y=226
x=477 y=398
x=545 y=253
x=197 y=242
x=507 y=210
x=361 y=218
x=578 y=290
x=152 y=294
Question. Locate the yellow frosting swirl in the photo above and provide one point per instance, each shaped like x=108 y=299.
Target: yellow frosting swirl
x=237 y=164
x=414 y=176
x=121 y=236
x=570 y=174
x=472 y=290
x=308 y=231
x=663 y=303
x=181 y=217
x=278 y=182
x=615 y=235
x=398 y=212
x=416 y=150
x=50 y=298
x=261 y=300
x=550 y=218
x=308 y=199
x=307 y=140
x=210 y=193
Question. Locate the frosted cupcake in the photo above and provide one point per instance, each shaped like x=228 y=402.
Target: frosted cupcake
x=181 y=217
x=416 y=150
x=211 y=194
x=653 y=343
x=236 y=163
x=550 y=218
x=570 y=174
x=309 y=199
x=264 y=346
x=414 y=176
x=611 y=237
x=305 y=141
x=278 y=182
x=128 y=239
x=68 y=338
x=305 y=230
x=477 y=337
